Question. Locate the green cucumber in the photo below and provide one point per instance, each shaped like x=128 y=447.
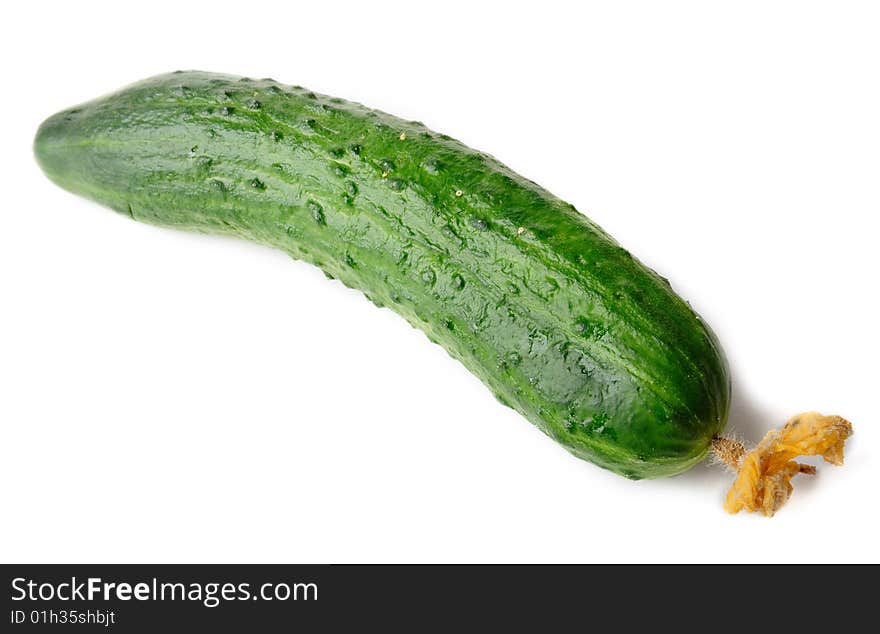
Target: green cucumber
x=558 y=320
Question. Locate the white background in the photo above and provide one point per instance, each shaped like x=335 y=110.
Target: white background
x=167 y=397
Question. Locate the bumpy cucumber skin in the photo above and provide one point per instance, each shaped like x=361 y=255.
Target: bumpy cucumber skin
x=560 y=322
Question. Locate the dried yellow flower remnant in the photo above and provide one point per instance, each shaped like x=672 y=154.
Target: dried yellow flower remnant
x=729 y=451
x=763 y=482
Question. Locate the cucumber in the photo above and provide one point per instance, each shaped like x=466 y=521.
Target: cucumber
x=558 y=320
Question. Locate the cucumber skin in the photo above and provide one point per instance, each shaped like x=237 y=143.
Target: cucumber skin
x=560 y=322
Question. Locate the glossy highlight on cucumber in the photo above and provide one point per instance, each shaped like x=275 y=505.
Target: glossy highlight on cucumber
x=555 y=317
